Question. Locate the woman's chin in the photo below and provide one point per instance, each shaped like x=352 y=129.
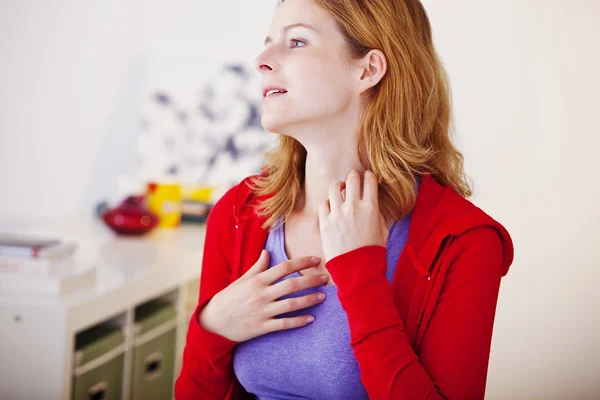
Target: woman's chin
x=271 y=124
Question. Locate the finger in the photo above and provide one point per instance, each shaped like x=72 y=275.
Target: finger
x=294 y=303
x=288 y=267
x=382 y=220
x=259 y=266
x=383 y=224
x=292 y=285
x=371 y=187
x=279 y=324
x=335 y=194
x=324 y=211
x=353 y=186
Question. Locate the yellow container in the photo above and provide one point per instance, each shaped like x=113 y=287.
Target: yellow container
x=198 y=193
x=164 y=199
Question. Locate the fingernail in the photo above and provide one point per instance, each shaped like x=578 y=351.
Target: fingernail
x=310 y=319
x=321 y=296
x=324 y=278
x=316 y=260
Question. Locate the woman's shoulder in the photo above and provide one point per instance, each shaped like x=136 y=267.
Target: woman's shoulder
x=234 y=198
x=440 y=212
x=444 y=206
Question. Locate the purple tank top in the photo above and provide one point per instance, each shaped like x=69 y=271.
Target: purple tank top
x=315 y=361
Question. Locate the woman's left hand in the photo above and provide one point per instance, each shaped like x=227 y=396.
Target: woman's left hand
x=350 y=223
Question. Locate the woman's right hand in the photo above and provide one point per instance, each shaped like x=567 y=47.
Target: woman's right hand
x=245 y=309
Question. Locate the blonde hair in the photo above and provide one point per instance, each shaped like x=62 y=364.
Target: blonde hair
x=405 y=127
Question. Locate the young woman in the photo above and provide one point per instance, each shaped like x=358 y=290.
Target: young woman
x=352 y=266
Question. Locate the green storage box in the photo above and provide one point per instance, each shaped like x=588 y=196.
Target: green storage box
x=98 y=364
x=154 y=352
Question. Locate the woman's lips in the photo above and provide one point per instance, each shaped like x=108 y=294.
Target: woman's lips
x=266 y=98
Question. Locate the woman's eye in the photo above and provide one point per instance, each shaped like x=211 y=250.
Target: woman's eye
x=296 y=41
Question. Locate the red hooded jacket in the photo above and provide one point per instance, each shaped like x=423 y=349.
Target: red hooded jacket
x=425 y=336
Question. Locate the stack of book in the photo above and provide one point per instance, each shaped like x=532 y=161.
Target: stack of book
x=41 y=265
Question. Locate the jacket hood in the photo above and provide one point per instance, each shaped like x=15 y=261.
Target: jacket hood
x=442 y=212
x=439 y=212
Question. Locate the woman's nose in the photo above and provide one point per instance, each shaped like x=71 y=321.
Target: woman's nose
x=261 y=63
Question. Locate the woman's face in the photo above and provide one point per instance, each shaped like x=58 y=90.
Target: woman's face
x=312 y=65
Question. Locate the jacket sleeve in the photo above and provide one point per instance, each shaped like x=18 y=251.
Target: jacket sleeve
x=454 y=354
x=207 y=370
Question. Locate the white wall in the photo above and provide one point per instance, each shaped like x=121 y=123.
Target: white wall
x=71 y=79
x=524 y=76
x=525 y=82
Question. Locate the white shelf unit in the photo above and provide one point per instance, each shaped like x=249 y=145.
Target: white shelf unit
x=38 y=332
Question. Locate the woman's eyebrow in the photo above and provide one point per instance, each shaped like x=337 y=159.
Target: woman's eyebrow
x=288 y=27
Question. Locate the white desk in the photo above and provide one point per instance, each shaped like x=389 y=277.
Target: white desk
x=38 y=332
